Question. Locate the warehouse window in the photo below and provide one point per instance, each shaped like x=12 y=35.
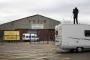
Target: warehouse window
x=37 y=26
x=87 y=33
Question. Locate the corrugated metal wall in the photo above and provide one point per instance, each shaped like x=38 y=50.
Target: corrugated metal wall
x=1 y=35
x=42 y=34
x=26 y=23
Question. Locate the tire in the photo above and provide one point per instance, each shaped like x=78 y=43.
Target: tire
x=79 y=49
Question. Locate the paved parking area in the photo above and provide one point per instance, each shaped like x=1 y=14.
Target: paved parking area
x=37 y=51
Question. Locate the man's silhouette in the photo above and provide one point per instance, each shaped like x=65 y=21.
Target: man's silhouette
x=75 y=15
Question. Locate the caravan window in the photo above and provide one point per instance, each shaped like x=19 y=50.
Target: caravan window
x=56 y=32
x=87 y=33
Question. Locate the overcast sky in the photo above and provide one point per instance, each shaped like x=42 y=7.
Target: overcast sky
x=60 y=10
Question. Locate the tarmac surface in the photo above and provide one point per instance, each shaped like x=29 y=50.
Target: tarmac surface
x=37 y=51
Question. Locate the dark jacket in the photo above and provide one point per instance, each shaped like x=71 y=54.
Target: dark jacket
x=75 y=11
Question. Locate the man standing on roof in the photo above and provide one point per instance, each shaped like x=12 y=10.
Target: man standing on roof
x=75 y=15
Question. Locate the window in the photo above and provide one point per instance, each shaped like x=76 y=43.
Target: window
x=37 y=26
x=87 y=33
x=56 y=32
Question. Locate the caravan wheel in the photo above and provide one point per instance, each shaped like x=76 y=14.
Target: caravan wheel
x=79 y=49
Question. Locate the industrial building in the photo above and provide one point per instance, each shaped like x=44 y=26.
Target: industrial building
x=29 y=28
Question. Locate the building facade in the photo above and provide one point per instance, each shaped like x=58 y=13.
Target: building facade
x=40 y=25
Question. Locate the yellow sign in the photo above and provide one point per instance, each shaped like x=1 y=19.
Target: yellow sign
x=11 y=33
x=11 y=37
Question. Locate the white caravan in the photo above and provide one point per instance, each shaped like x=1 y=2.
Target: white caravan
x=72 y=37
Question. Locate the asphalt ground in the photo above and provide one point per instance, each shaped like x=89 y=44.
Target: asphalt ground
x=37 y=51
